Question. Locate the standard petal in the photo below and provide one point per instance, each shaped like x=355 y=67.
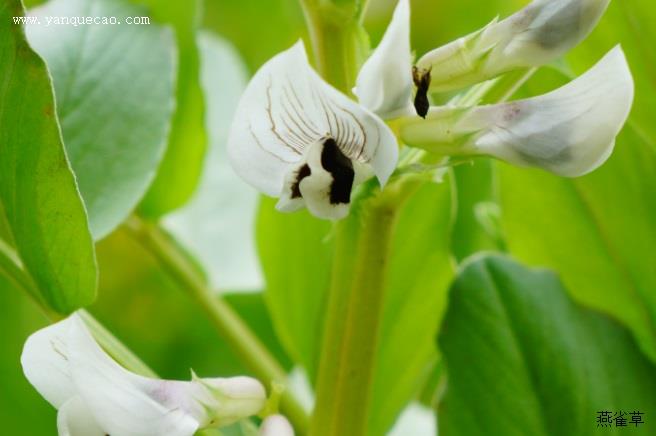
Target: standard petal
x=570 y=131
x=536 y=35
x=45 y=363
x=286 y=108
x=75 y=419
x=276 y=425
x=384 y=84
x=116 y=397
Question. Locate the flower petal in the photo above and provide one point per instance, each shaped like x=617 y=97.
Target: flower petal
x=113 y=395
x=286 y=108
x=570 y=131
x=75 y=419
x=45 y=363
x=276 y=425
x=384 y=84
x=322 y=181
x=536 y=35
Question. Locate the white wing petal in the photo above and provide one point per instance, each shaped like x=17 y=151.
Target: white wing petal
x=115 y=396
x=384 y=84
x=287 y=107
x=45 y=363
x=570 y=131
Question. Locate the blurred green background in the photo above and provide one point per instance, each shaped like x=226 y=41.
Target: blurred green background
x=596 y=232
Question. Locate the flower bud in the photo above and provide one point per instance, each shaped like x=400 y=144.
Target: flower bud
x=536 y=35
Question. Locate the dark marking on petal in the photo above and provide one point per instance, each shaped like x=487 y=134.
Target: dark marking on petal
x=561 y=26
x=303 y=172
x=341 y=168
x=422 y=79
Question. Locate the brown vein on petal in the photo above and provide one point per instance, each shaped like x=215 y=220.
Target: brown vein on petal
x=313 y=128
x=259 y=144
x=273 y=123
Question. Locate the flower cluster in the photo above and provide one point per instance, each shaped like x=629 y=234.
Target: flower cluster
x=297 y=138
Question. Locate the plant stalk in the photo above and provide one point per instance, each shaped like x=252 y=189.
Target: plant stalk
x=338 y=39
x=227 y=322
x=355 y=305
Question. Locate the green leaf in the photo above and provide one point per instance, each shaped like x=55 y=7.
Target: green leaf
x=420 y=271
x=114 y=88
x=296 y=252
x=180 y=171
x=597 y=231
x=44 y=212
x=522 y=359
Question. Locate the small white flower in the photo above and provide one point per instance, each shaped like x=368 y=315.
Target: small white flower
x=96 y=396
x=536 y=35
x=297 y=138
x=276 y=425
x=570 y=131
x=384 y=84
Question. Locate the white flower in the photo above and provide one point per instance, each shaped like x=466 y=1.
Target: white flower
x=297 y=138
x=96 y=396
x=570 y=131
x=541 y=32
x=276 y=425
x=384 y=84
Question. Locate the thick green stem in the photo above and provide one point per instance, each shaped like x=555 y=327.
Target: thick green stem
x=227 y=322
x=346 y=367
x=338 y=41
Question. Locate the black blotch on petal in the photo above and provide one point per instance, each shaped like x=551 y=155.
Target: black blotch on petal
x=341 y=168
x=303 y=172
x=422 y=79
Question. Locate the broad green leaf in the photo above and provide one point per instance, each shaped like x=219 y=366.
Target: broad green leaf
x=296 y=252
x=523 y=359
x=421 y=269
x=180 y=171
x=43 y=209
x=217 y=224
x=597 y=231
x=114 y=88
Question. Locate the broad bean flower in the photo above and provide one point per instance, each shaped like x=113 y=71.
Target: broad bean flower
x=296 y=138
x=94 y=395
